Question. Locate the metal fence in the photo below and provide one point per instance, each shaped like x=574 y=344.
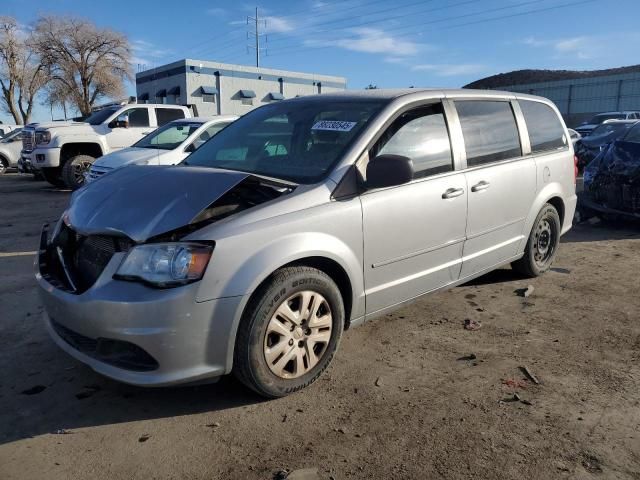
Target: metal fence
x=580 y=99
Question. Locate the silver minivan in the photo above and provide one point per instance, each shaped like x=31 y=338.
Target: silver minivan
x=301 y=219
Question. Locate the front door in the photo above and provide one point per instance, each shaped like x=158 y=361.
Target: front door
x=414 y=233
x=500 y=181
x=134 y=124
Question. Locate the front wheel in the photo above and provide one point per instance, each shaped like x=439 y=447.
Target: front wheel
x=542 y=245
x=74 y=170
x=4 y=165
x=289 y=332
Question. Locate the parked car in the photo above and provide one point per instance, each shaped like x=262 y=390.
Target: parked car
x=166 y=146
x=612 y=179
x=587 y=148
x=10 y=146
x=298 y=220
x=574 y=136
x=64 y=151
x=587 y=127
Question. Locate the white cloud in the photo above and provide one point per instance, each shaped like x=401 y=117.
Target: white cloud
x=216 y=11
x=450 y=70
x=142 y=48
x=373 y=40
x=582 y=47
x=278 y=24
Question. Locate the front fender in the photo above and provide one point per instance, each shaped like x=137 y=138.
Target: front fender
x=262 y=262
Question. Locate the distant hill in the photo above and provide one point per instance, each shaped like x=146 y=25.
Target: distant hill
x=520 y=77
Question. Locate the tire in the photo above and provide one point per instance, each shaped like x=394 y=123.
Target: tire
x=4 y=165
x=52 y=175
x=74 y=169
x=270 y=351
x=542 y=245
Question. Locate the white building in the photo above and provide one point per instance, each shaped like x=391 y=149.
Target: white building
x=222 y=88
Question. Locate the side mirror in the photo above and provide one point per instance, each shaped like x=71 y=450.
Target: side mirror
x=389 y=171
x=121 y=121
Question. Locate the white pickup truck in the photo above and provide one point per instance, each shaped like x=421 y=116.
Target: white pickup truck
x=64 y=151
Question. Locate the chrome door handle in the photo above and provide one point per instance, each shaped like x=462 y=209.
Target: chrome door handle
x=145 y=133
x=452 y=193
x=478 y=187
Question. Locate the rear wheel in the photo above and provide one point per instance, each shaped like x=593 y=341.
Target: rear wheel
x=542 y=245
x=74 y=169
x=4 y=165
x=53 y=176
x=289 y=332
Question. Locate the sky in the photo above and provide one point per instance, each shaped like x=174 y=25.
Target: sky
x=402 y=43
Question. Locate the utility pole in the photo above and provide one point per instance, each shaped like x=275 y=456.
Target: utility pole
x=256 y=33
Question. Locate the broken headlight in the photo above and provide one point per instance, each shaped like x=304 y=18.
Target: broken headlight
x=165 y=264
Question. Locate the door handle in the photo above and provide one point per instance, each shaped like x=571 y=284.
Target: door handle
x=478 y=187
x=452 y=193
x=145 y=133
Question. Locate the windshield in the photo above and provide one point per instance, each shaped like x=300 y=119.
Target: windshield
x=598 y=119
x=168 y=137
x=9 y=137
x=610 y=128
x=294 y=140
x=96 y=118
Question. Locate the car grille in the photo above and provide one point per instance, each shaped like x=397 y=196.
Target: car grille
x=118 y=353
x=97 y=171
x=74 y=262
x=28 y=140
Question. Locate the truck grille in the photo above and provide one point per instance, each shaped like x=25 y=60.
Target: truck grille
x=28 y=140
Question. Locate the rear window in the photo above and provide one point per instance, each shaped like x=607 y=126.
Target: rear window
x=489 y=130
x=545 y=129
x=166 y=115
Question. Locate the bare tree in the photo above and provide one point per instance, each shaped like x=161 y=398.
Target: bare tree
x=85 y=63
x=22 y=74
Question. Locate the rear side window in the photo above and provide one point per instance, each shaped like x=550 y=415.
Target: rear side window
x=421 y=135
x=489 y=130
x=166 y=115
x=138 y=117
x=545 y=129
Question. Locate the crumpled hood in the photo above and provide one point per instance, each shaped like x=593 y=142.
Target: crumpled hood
x=130 y=155
x=145 y=201
x=623 y=158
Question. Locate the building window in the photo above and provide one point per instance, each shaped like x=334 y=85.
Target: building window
x=247 y=101
x=208 y=98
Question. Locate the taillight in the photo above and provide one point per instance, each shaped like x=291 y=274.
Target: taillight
x=575 y=169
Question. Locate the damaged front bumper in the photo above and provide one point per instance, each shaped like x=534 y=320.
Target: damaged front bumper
x=134 y=333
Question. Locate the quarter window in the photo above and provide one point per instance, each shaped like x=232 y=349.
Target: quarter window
x=489 y=130
x=166 y=115
x=421 y=135
x=545 y=130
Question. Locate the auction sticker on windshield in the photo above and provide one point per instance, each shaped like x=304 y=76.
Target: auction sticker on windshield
x=334 y=125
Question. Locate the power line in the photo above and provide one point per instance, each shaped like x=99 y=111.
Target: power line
x=302 y=47
x=431 y=22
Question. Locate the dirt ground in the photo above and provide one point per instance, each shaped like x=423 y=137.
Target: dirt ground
x=412 y=395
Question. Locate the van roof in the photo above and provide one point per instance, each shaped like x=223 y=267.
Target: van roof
x=392 y=93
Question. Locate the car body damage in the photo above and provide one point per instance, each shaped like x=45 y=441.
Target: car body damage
x=612 y=180
x=157 y=201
